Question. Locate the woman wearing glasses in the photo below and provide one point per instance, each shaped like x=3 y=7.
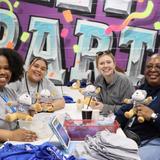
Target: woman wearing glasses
x=149 y=131
x=115 y=86
x=34 y=81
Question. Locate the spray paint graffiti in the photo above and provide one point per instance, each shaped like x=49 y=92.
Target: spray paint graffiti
x=137 y=15
x=58 y=30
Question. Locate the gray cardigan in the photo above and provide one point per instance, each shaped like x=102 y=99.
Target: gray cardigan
x=113 y=94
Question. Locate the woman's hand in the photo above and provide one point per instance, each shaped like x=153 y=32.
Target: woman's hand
x=23 y=135
x=98 y=105
x=144 y=111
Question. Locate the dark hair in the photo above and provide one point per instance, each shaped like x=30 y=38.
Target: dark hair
x=15 y=62
x=35 y=59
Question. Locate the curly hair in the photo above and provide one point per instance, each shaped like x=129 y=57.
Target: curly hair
x=15 y=62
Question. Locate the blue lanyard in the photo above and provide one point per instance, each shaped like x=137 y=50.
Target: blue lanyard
x=8 y=108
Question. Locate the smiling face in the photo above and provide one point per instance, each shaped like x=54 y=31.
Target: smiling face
x=106 y=65
x=152 y=70
x=5 y=73
x=37 y=70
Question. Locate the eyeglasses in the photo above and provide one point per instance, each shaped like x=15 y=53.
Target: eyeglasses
x=103 y=53
x=151 y=66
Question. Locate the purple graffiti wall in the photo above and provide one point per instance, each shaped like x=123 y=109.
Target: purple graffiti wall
x=26 y=9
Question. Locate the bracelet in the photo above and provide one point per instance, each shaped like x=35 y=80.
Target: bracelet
x=154 y=116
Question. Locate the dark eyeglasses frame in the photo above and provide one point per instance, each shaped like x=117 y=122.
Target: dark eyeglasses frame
x=151 y=66
x=103 y=53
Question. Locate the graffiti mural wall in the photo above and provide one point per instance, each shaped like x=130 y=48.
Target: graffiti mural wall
x=68 y=33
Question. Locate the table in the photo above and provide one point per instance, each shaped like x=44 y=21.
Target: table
x=40 y=120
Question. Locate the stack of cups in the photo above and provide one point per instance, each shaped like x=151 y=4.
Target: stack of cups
x=96 y=114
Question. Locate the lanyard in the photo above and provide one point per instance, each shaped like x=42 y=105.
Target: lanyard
x=8 y=108
x=26 y=81
x=5 y=98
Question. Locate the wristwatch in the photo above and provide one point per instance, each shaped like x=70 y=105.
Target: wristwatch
x=154 y=116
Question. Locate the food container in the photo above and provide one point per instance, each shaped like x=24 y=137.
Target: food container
x=78 y=129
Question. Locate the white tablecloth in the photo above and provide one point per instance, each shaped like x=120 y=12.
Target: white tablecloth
x=40 y=123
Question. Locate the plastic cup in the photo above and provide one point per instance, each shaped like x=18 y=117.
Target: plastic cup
x=25 y=124
x=79 y=107
x=86 y=114
x=95 y=114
